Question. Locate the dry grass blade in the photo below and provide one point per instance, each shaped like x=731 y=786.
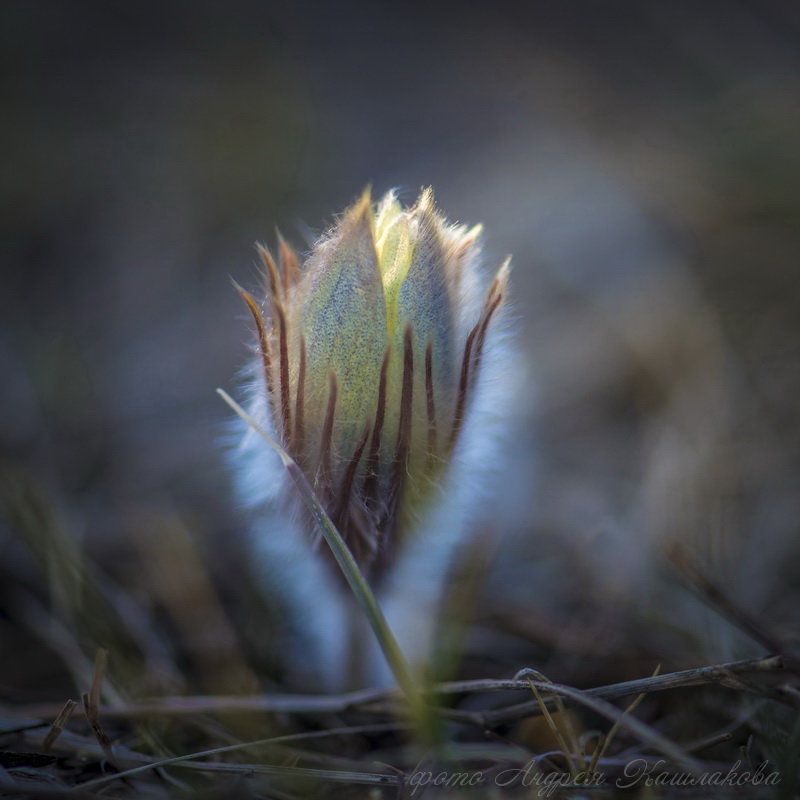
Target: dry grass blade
x=58 y=724
x=329 y=775
x=601 y=751
x=91 y=704
x=643 y=732
x=534 y=679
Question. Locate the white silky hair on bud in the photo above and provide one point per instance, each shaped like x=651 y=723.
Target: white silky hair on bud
x=314 y=640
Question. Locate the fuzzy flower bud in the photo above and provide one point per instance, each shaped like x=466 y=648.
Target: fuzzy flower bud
x=368 y=365
x=371 y=363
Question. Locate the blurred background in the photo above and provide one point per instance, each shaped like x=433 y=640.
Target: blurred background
x=639 y=159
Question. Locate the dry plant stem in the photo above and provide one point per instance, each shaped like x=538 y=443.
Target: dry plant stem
x=58 y=724
x=91 y=704
x=186 y=760
x=344 y=558
x=371 y=699
x=699 y=676
x=709 y=741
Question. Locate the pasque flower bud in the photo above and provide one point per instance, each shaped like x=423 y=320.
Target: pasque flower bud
x=370 y=357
